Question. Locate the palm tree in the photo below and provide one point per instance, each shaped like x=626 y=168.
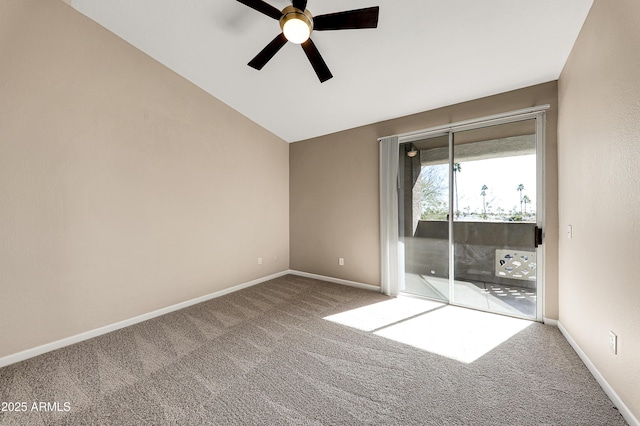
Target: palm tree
x=526 y=200
x=456 y=169
x=520 y=189
x=484 y=204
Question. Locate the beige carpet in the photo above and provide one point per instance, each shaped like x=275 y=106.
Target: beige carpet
x=266 y=356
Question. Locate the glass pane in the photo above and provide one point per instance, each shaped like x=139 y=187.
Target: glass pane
x=494 y=218
x=423 y=214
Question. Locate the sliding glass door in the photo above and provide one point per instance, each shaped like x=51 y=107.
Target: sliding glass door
x=494 y=220
x=423 y=216
x=468 y=215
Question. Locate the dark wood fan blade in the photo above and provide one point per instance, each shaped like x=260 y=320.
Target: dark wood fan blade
x=262 y=7
x=318 y=64
x=267 y=53
x=300 y=4
x=349 y=20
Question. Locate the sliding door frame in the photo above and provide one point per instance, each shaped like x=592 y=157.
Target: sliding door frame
x=396 y=263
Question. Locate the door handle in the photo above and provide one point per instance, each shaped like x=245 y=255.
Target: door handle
x=537 y=236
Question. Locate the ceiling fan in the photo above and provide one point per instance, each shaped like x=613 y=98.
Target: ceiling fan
x=297 y=23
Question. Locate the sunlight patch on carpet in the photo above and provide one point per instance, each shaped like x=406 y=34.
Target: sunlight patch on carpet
x=456 y=333
x=383 y=314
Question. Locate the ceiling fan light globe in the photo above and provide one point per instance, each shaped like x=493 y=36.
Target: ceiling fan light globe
x=296 y=24
x=296 y=30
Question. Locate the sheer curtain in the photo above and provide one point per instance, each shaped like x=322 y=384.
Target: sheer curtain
x=389 y=243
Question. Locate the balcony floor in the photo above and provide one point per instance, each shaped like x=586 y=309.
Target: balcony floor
x=498 y=298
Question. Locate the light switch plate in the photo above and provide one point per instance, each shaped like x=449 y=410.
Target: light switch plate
x=613 y=342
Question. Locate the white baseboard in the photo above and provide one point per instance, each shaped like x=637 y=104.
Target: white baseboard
x=39 y=350
x=549 y=321
x=611 y=393
x=335 y=280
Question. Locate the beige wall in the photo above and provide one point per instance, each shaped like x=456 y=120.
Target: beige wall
x=123 y=187
x=334 y=201
x=599 y=187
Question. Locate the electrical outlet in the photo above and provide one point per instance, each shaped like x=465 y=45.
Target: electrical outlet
x=613 y=343
x=341 y=261
x=570 y=232
x=259 y=261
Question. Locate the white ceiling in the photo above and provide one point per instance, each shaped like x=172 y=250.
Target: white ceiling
x=424 y=54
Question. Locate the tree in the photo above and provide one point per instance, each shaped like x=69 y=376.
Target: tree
x=520 y=189
x=516 y=216
x=484 y=204
x=433 y=192
x=456 y=169
x=526 y=201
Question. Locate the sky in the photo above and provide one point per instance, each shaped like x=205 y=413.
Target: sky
x=502 y=177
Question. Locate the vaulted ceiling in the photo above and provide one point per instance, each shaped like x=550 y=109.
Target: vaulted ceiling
x=424 y=54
